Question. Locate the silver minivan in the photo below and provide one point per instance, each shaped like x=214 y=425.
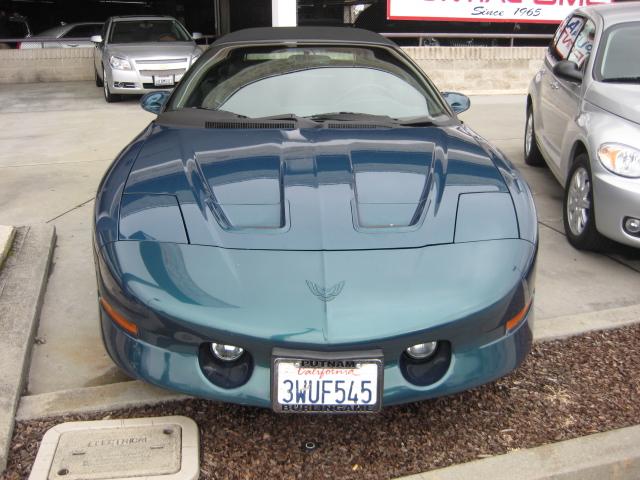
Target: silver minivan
x=583 y=121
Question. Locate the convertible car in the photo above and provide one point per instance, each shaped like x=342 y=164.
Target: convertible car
x=307 y=226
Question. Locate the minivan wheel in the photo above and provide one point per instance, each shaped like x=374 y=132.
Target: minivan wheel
x=108 y=96
x=532 y=155
x=578 y=208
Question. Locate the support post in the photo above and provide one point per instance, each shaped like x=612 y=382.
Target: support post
x=284 y=13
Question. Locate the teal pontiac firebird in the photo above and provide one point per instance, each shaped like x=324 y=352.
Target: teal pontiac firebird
x=308 y=226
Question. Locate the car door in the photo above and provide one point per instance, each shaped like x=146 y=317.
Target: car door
x=545 y=90
x=562 y=97
x=99 y=47
x=77 y=36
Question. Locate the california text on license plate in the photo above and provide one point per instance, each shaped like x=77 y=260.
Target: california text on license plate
x=160 y=81
x=332 y=386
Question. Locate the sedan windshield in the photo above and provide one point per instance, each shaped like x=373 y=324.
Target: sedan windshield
x=141 y=31
x=621 y=56
x=310 y=81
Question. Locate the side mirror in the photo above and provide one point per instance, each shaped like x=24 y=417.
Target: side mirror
x=457 y=101
x=154 y=101
x=567 y=70
x=96 y=38
x=196 y=35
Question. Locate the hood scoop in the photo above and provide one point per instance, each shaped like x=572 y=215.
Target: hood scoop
x=317 y=188
x=245 y=193
x=380 y=201
x=250 y=192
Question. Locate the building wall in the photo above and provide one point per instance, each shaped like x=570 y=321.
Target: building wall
x=479 y=69
x=46 y=65
x=463 y=69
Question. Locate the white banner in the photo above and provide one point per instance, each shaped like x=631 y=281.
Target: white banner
x=521 y=11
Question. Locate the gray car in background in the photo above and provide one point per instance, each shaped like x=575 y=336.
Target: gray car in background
x=583 y=121
x=70 y=35
x=138 y=54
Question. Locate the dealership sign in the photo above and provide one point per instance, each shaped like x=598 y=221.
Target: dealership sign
x=522 y=11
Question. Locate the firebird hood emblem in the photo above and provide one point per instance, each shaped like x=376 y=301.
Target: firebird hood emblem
x=325 y=294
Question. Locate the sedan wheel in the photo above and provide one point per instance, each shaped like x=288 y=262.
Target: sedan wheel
x=108 y=96
x=579 y=216
x=98 y=79
x=532 y=155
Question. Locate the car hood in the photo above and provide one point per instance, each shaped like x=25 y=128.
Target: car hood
x=317 y=189
x=621 y=99
x=153 y=51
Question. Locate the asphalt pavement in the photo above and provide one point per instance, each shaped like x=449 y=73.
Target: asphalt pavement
x=59 y=138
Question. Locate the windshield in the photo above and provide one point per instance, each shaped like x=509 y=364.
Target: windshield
x=140 y=31
x=621 y=56
x=309 y=81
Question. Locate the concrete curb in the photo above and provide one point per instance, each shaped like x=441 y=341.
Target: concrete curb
x=6 y=239
x=614 y=455
x=137 y=393
x=555 y=328
x=93 y=399
x=22 y=283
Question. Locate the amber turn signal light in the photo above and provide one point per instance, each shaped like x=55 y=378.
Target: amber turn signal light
x=517 y=319
x=118 y=319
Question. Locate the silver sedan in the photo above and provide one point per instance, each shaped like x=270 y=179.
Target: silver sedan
x=135 y=55
x=71 y=35
x=583 y=121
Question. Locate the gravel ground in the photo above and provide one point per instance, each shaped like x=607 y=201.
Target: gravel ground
x=565 y=389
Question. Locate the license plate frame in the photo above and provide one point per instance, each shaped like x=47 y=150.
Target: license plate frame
x=164 y=80
x=349 y=358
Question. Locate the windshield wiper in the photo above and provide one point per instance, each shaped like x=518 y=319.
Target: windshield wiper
x=418 y=122
x=422 y=121
x=622 y=79
x=352 y=117
x=303 y=122
x=222 y=113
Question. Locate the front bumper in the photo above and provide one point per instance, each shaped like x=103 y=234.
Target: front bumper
x=134 y=82
x=616 y=197
x=182 y=297
x=180 y=370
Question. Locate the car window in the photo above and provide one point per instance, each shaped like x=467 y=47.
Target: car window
x=51 y=32
x=18 y=28
x=583 y=44
x=558 y=32
x=621 y=54
x=566 y=36
x=310 y=80
x=140 y=31
x=83 y=31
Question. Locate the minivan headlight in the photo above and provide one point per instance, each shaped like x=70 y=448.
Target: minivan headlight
x=620 y=159
x=119 y=63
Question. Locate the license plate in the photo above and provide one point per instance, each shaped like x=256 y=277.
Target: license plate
x=163 y=81
x=327 y=385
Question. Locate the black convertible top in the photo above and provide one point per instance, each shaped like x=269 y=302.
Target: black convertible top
x=303 y=34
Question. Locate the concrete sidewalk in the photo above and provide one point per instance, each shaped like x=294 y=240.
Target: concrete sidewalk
x=22 y=283
x=6 y=239
x=613 y=455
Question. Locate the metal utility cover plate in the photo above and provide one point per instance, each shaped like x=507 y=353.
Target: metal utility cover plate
x=154 y=448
